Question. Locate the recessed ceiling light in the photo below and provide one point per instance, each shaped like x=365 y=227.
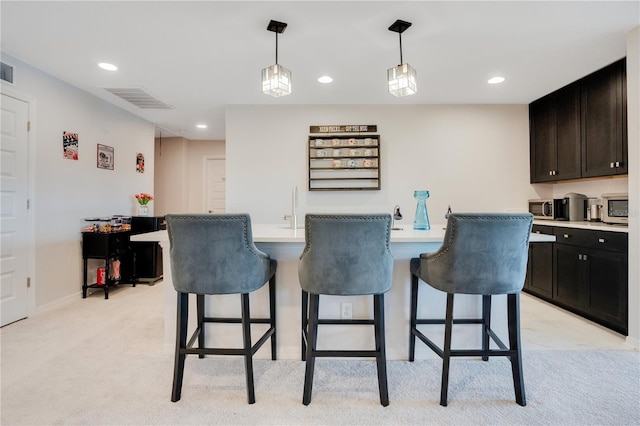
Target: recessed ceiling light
x=107 y=66
x=201 y=126
x=496 y=80
x=325 y=79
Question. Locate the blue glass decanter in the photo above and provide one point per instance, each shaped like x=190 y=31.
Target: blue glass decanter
x=422 y=218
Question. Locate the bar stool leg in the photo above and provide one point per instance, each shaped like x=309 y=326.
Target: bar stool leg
x=413 y=317
x=305 y=323
x=513 y=306
x=486 y=325
x=381 y=358
x=446 y=357
x=181 y=343
x=311 y=348
x=272 y=316
x=200 y=311
x=248 y=360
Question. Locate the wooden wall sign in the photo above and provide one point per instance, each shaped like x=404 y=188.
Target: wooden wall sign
x=350 y=128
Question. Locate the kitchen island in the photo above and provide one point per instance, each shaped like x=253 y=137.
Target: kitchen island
x=286 y=245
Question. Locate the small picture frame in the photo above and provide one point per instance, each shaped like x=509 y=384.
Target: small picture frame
x=140 y=162
x=105 y=157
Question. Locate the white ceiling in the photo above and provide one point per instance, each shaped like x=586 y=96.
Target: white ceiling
x=201 y=56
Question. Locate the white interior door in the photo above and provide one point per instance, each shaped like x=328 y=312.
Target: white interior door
x=13 y=210
x=215 y=185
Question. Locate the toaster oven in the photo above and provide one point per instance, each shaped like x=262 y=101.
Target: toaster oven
x=615 y=208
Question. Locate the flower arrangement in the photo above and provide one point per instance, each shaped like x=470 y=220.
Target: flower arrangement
x=143 y=199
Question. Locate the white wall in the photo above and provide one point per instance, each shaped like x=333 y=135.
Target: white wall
x=180 y=173
x=65 y=191
x=170 y=178
x=472 y=157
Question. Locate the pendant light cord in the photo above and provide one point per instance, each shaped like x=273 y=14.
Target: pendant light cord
x=400 y=36
x=276 y=48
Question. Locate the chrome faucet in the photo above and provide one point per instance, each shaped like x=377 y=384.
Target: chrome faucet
x=293 y=217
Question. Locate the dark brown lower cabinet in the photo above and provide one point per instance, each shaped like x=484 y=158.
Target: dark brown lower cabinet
x=607 y=293
x=585 y=272
x=568 y=274
x=540 y=270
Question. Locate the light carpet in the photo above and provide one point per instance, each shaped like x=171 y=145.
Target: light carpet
x=102 y=363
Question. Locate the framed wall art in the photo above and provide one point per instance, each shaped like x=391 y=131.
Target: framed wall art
x=140 y=162
x=105 y=157
x=70 y=145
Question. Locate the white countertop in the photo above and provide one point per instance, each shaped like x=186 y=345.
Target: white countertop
x=594 y=226
x=270 y=233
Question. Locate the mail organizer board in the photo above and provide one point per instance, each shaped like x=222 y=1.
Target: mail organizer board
x=344 y=163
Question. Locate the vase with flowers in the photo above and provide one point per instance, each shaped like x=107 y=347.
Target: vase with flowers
x=143 y=203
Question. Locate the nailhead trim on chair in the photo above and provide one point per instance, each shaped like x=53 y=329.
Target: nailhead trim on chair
x=342 y=217
x=229 y=217
x=446 y=248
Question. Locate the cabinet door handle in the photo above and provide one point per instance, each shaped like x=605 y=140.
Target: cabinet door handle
x=601 y=240
x=612 y=165
x=579 y=256
x=550 y=172
x=617 y=164
x=565 y=235
x=584 y=257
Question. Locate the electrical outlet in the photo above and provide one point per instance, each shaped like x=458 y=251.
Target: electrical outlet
x=346 y=310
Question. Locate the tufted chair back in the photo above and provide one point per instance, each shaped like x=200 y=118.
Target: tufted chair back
x=346 y=254
x=215 y=254
x=482 y=253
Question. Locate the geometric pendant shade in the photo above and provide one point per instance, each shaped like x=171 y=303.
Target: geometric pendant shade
x=402 y=79
x=276 y=79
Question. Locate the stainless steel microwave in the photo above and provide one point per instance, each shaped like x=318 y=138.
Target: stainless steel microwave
x=615 y=208
x=551 y=209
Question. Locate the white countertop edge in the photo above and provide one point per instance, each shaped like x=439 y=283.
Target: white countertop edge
x=594 y=226
x=267 y=233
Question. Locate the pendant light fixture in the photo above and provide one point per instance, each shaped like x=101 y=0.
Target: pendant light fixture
x=402 y=79
x=276 y=79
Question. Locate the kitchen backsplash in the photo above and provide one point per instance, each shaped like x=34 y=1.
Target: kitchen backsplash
x=591 y=188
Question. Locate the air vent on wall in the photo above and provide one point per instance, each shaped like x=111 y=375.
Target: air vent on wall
x=139 y=97
x=6 y=72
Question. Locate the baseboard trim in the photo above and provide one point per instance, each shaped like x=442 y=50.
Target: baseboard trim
x=56 y=304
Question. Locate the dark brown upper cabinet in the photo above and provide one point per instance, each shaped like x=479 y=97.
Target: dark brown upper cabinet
x=555 y=135
x=580 y=130
x=604 y=122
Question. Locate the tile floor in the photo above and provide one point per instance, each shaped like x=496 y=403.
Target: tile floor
x=545 y=326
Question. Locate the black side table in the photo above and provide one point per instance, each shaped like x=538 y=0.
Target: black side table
x=107 y=246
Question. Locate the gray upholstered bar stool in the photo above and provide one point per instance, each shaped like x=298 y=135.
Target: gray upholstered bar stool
x=345 y=255
x=483 y=254
x=215 y=254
